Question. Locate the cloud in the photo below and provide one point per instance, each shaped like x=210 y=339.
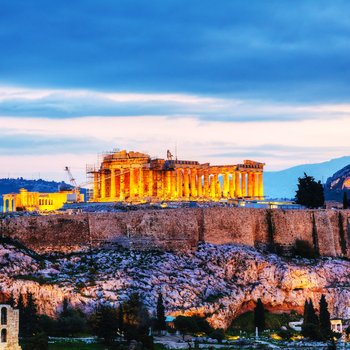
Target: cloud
x=290 y=51
x=26 y=102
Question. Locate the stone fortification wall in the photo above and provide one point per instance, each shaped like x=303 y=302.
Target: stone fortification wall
x=180 y=229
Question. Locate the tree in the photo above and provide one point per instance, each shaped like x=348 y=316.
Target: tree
x=325 y=323
x=310 y=326
x=137 y=321
x=345 y=200
x=310 y=192
x=31 y=326
x=160 y=323
x=121 y=318
x=259 y=316
x=11 y=300
x=70 y=321
x=22 y=315
x=104 y=322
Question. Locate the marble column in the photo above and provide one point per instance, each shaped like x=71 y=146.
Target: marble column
x=261 y=186
x=173 y=184
x=199 y=184
x=113 y=191
x=122 y=185
x=150 y=183
x=179 y=183
x=193 y=183
x=96 y=194
x=103 y=185
x=141 y=183
x=159 y=183
x=206 y=183
x=238 y=184
x=226 y=184
x=233 y=185
x=132 y=183
x=186 y=183
x=256 y=185
x=244 y=184
x=250 y=184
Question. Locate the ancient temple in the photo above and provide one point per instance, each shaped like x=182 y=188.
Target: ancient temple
x=136 y=176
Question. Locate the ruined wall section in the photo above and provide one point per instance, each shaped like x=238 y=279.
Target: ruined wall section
x=176 y=229
x=328 y=231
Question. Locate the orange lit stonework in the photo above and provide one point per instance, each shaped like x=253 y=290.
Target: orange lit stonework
x=135 y=176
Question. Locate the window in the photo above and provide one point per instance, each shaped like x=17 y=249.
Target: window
x=3 y=335
x=3 y=316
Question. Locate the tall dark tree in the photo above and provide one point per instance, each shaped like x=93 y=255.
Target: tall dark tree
x=11 y=300
x=325 y=323
x=105 y=322
x=31 y=316
x=137 y=321
x=310 y=193
x=160 y=324
x=121 y=318
x=310 y=326
x=345 y=200
x=259 y=316
x=22 y=315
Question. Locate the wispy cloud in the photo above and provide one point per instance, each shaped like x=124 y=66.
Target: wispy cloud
x=26 y=102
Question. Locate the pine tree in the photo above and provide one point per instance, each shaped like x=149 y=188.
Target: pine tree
x=104 y=322
x=325 y=323
x=345 y=200
x=259 y=316
x=161 y=324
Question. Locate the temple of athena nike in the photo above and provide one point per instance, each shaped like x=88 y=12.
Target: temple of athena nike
x=134 y=176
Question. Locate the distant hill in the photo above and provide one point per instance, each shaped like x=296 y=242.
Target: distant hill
x=283 y=184
x=337 y=184
x=13 y=185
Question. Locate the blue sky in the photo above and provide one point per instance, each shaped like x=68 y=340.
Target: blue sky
x=223 y=81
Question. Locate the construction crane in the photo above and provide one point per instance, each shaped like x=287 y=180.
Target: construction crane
x=76 y=188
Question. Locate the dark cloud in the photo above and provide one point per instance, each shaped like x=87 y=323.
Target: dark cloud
x=290 y=50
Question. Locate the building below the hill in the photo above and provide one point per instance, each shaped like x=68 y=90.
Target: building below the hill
x=9 y=327
x=135 y=176
x=38 y=201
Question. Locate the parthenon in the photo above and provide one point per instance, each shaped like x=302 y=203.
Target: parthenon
x=133 y=176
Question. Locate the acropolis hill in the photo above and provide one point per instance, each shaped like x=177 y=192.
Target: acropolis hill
x=328 y=231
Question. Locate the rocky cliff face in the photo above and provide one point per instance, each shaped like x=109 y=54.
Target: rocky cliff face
x=219 y=281
x=328 y=231
x=337 y=184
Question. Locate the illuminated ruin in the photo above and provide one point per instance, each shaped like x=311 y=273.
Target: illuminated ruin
x=134 y=176
x=37 y=201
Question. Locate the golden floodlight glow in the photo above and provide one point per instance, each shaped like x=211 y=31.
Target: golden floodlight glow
x=134 y=176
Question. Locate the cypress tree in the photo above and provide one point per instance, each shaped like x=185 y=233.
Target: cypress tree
x=121 y=318
x=31 y=316
x=310 y=327
x=345 y=200
x=312 y=314
x=11 y=300
x=325 y=323
x=161 y=324
x=22 y=315
x=259 y=316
